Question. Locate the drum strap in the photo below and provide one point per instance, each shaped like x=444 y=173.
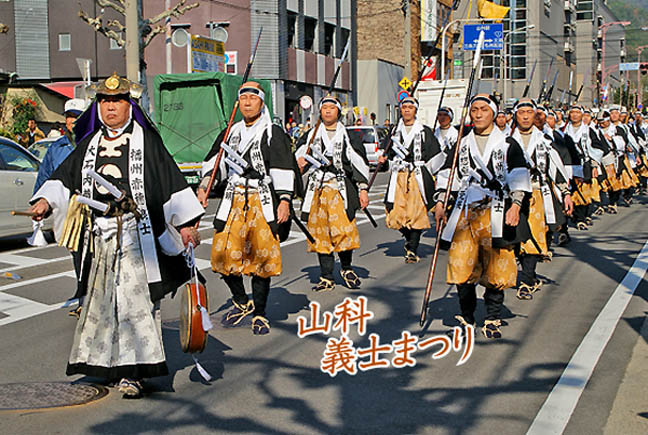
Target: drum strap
x=204 y=314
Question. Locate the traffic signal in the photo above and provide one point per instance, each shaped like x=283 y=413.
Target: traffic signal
x=643 y=68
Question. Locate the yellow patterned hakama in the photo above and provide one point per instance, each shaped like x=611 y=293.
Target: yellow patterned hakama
x=246 y=246
x=472 y=258
x=611 y=183
x=409 y=209
x=329 y=224
x=538 y=225
x=643 y=169
x=582 y=195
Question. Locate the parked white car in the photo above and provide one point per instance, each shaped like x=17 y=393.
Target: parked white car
x=372 y=137
x=18 y=170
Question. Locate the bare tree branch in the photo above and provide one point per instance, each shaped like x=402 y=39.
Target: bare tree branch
x=4 y=28
x=177 y=11
x=97 y=25
x=108 y=4
x=115 y=23
x=154 y=31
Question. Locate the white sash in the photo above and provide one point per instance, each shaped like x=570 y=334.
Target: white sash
x=412 y=142
x=256 y=157
x=330 y=148
x=136 y=181
x=470 y=191
x=540 y=148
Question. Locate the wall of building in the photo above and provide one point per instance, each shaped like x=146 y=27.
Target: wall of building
x=379 y=87
x=84 y=41
x=381 y=32
x=7 y=40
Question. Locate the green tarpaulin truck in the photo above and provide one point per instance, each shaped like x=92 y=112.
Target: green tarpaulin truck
x=191 y=110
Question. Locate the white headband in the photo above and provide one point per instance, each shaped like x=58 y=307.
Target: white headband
x=490 y=102
x=252 y=90
x=330 y=100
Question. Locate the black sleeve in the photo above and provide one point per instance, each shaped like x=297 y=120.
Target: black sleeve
x=431 y=146
x=359 y=148
x=280 y=155
x=515 y=155
x=570 y=146
x=596 y=142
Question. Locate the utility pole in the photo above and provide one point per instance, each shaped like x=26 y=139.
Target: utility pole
x=602 y=31
x=167 y=42
x=408 y=38
x=132 y=40
x=639 y=50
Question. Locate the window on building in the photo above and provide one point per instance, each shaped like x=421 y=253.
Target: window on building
x=585 y=10
x=310 y=30
x=345 y=34
x=329 y=39
x=65 y=42
x=292 y=27
x=113 y=43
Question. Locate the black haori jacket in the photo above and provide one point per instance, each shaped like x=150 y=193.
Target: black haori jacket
x=169 y=202
x=587 y=154
x=551 y=169
x=280 y=167
x=432 y=160
x=355 y=168
x=470 y=176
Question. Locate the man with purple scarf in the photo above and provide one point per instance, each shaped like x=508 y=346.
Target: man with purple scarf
x=123 y=192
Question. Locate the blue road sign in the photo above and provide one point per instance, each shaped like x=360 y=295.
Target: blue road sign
x=402 y=95
x=493 y=36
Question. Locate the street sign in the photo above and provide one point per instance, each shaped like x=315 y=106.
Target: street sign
x=639 y=106
x=405 y=83
x=207 y=55
x=493 y=36
x=402 y=95
x=306 y=102
x=630 y=66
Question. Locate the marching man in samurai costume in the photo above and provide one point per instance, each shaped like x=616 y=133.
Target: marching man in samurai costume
x=257 y=169
x=141 y=217
x=625 y=150
x=445 y=133
x=585 y=182
x=338 y=174
x=415 y=156
x=549 y=182
x=491 y=181
x=611 y=184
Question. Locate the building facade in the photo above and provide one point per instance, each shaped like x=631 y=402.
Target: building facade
x=394 y=36
x=540 y=33
x=299 y=51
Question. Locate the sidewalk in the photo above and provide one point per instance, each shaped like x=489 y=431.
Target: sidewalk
x=629 y=414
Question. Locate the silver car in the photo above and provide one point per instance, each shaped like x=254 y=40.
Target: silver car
x=18 y=170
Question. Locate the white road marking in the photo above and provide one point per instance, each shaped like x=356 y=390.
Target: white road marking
x=561 y=402
x=27 y=263
x=20 y=260
x=18 y=308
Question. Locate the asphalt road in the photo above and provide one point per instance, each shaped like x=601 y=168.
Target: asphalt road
x=273 y=384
